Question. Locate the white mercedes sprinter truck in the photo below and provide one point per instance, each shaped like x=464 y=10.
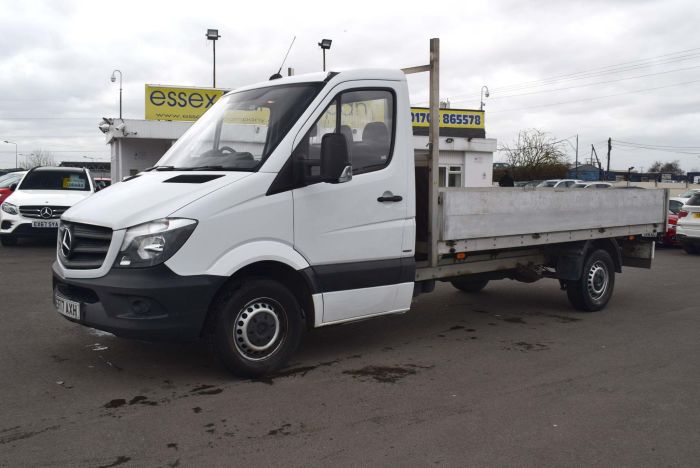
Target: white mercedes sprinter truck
x=293 y=204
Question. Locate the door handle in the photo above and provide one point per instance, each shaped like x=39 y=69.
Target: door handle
x=390 y=198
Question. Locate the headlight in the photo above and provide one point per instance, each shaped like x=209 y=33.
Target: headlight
x=153 y=243
x=9 y=208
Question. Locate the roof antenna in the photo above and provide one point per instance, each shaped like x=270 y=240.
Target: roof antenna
x=278 y=75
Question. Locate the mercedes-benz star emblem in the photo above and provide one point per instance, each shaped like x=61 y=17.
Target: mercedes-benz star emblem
x=66 y=241
x=46 y=212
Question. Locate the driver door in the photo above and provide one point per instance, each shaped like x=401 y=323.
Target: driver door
x=352 y=233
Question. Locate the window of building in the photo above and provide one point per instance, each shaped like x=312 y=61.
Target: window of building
x=450 y=176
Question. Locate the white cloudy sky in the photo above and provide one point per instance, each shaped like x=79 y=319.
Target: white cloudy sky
x=630 y=69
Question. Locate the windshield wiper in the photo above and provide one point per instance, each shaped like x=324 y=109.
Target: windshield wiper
x=160 y=168
x=209 y=168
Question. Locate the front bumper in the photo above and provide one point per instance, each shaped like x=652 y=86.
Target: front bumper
x=689 y=235
x=19 y=226
x=143 y=303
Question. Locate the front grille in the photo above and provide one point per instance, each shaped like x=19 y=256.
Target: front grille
x=87 y=245
x=42 y=211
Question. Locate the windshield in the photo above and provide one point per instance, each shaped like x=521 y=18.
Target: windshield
x=688 y=194
x=9 y=179
x=549 y=183
x=55 y=180
x=241 y=130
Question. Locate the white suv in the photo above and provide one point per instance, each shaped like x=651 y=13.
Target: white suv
x=560 y=183
x=39 y=200
x=688 y=227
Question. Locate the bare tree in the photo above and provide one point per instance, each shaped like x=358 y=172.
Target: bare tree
x=673 y=167
x=535 y=154
x=39 y=158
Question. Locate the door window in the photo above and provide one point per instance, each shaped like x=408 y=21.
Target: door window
x=366 y=119
x=367 y=123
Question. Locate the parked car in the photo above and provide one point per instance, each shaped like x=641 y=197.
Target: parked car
x=688 y=227
x=102 y=182
x=595 y=185
x=685 y=196
x=559 y=183
x=669 y=239
x=6 y=183
x=37 y=203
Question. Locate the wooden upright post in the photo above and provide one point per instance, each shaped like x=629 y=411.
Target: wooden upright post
x=434 y=141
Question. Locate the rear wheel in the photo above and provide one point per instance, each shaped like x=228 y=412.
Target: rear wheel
x=8 y=241
x=258 y=327
x=593 y=290
x=469 y=285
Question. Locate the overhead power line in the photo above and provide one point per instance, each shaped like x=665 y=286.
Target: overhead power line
x=598 y=97
x=623 y=66
x=579 y=86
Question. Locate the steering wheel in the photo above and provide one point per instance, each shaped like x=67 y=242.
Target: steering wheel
x=228 y=149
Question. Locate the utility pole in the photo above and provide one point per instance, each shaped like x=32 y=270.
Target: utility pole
x=576 y=164
x=607 y=173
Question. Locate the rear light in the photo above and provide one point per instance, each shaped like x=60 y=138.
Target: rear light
x=682 y=214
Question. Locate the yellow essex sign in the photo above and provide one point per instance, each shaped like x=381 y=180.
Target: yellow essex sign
x=179 y=103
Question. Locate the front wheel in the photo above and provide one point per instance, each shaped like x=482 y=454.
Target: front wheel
x=593 y=290
x=258 y=328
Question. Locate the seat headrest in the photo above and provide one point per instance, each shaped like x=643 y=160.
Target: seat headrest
x=346 y=131
x=375 y=132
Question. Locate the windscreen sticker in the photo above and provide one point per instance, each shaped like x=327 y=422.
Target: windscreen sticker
x=74 y=182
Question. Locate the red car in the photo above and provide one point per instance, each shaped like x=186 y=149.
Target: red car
x=669 y=239
x=6 y=181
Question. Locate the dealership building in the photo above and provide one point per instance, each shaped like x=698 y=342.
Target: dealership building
x=466 y=155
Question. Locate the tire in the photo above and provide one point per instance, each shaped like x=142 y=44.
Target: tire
x=691 y=249
x=593 y=290
x=8 y=241
x=258 y=327
x=469 y=285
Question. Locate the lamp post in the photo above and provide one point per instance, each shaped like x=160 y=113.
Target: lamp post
x=12 y=143
x=213 y=36
x=483 y=88
x=113 y=78
x=325 y=44
x=629 y=172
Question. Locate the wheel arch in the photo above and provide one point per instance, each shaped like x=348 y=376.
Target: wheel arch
x=570 y=258
x=299 y=283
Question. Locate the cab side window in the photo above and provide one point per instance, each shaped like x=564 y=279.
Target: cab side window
x=367 y=122
x=365 y=118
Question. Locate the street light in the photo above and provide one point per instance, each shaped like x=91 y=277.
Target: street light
x=213 y=36
x=629 y=172
x=113 y=78
x=484 y=88
x=12 y=143
x=325 y=44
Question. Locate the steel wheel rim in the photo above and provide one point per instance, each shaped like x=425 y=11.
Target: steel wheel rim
x=598 y=280
x=259 y=329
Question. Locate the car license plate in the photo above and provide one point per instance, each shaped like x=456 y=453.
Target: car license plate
x=696 y=215
x=649 y=234
x=70 y=309
x=50 y=223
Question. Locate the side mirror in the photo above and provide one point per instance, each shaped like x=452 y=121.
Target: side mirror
x=13 y=187
x=335 y=161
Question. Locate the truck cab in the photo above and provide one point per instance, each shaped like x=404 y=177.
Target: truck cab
x=289 y=204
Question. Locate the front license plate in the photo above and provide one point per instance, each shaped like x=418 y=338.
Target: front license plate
x=70 y=309
x=51 y=223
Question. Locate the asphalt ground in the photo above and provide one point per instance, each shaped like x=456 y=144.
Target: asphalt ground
x=509 y=377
